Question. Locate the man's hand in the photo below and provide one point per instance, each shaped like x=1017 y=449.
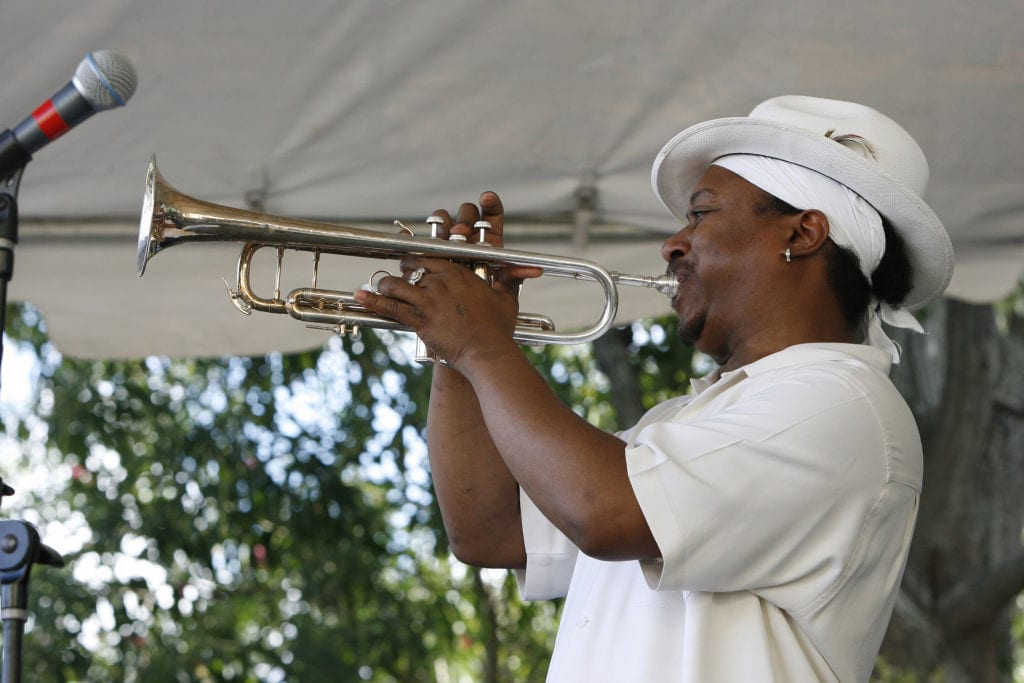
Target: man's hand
x=456 y=314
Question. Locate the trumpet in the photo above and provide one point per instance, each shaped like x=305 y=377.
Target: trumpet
x=170 y=217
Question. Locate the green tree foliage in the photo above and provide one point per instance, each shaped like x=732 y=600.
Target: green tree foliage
x=263 y=519
x=270 y=519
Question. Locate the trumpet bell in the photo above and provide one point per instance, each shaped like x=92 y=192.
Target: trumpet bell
x=146 y=224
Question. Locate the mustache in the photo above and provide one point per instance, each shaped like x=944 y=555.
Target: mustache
x=677 y=267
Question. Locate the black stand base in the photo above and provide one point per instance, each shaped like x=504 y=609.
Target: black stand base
x=20 y=548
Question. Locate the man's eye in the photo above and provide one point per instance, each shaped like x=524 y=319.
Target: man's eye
x=695 y=215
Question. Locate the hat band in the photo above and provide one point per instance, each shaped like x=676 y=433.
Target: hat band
x=853 y=224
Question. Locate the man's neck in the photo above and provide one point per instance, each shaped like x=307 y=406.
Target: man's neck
x=771 y=339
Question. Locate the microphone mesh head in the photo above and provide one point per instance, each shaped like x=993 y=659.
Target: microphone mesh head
x=106 y=79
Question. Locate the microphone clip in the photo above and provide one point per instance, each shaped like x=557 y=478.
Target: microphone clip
x=9 y=186
x=13 y=157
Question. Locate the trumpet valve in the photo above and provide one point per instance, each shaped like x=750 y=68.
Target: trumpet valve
x=434 y=222
x=344 y=330
x=352 y=331
x=483 y=227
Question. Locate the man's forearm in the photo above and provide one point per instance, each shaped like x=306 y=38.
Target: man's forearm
x=574 y=472
x=478 y=496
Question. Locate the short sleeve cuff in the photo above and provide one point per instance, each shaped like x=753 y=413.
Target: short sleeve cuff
x=550 y=556
x=643 y=466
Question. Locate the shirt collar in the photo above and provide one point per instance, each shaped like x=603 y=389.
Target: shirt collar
x=798 y=354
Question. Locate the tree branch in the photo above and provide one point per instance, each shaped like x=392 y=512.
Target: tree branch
x=611 y=355
x=979 y=598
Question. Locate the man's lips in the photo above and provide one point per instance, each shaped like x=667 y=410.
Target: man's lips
x=680 y=273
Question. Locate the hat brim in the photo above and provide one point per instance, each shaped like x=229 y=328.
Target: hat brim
x=684 y=159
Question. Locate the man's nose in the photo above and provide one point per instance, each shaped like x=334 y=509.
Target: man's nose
x=677 y=245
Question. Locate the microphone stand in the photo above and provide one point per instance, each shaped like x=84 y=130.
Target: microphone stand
x=20 y=546
x=8 y=238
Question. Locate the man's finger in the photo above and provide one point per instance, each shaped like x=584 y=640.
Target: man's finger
x=510 y=279
x=445 y=226
x=467 y=215
x=523 y=272
x=493 y=212
x=385 y=305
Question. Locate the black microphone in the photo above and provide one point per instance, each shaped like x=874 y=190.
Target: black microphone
x=104 y=80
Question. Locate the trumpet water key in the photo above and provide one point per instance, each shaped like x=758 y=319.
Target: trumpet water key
x=170 y=217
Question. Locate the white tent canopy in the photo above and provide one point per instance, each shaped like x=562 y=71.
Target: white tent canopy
x=362 y=112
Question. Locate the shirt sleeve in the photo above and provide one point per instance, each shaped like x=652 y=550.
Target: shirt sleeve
x=550 y=556
x=770 y=491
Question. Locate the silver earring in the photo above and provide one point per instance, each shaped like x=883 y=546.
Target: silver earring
x=789 y=255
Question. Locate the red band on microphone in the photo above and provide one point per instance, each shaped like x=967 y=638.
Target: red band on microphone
x=49 y=120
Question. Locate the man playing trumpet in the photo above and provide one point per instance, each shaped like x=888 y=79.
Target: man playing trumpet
x=755 y=529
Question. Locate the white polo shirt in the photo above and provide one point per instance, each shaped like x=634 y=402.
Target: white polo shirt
x=782 y=496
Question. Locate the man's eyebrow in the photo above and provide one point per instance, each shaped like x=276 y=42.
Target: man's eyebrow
x=701 y=193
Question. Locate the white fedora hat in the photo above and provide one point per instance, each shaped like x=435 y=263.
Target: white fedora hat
x=855 y=145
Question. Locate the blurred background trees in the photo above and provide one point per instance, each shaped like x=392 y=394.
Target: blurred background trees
x=258 y=518
x=965 y=383
x=272 y=518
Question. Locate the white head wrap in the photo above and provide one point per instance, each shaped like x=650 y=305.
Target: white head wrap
x=853 y=223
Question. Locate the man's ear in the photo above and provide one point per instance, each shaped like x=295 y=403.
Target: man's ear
x=809 y=232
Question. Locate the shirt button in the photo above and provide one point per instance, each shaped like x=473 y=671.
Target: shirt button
x=582 y=621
